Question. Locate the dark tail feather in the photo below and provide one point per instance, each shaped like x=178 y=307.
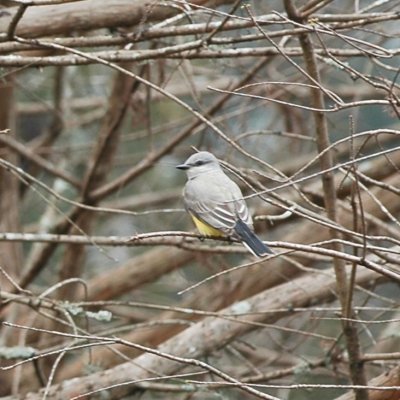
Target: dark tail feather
x=250 y=240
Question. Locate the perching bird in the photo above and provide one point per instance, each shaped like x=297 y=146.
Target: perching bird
x=215 y=203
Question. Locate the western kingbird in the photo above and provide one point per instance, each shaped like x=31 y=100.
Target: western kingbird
x=216 y=203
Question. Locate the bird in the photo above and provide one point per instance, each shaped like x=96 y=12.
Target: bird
x=216 y=204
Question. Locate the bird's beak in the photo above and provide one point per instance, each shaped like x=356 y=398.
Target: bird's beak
x=183 y=166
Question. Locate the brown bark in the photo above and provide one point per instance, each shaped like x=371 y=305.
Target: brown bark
x=87 y=15
x=10 y=253
x=389 y=378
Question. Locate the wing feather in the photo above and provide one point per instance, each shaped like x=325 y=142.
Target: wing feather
x=217 y=201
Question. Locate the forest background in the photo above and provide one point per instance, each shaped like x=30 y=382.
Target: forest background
x=107 y=291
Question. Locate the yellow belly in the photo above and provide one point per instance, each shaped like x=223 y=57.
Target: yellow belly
x=206 y=229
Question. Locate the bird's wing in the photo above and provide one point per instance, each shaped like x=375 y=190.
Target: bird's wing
x=217 y=201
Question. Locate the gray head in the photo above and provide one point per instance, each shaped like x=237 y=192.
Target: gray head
x=200 y=163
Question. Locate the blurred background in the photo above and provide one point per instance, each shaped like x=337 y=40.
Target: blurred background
x=98 y=104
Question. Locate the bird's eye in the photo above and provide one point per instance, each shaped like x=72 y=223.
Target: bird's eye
x=198 y=163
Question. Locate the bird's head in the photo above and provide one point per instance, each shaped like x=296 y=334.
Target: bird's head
x=200 y=163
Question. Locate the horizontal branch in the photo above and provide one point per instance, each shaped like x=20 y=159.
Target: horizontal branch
x=338 y=22
x=87 y=15
x=179 y=239
x=140 y=239
x=172 y=52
